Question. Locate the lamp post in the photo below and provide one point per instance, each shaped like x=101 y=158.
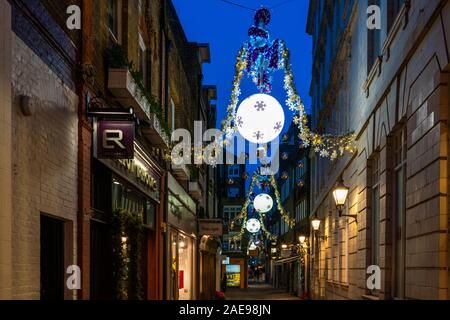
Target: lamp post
x=340 y=194
x=315 y=223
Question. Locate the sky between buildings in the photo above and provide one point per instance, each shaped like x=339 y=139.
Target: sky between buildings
x=225 y=28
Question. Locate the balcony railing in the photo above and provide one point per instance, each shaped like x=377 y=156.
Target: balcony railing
x=127 y=91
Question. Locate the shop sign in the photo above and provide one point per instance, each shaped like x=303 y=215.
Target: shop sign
x=286 y=253
x=210 y=227
x=141 y=172
x=114 y=139
x=253 y=253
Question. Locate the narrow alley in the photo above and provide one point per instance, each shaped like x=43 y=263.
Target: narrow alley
x=259 y=292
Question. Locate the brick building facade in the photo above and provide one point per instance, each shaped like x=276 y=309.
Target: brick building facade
x=39 y=150
x=398 y=108
x=58 y=197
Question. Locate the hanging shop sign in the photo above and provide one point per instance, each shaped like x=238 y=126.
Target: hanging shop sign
x=135 y=167
x=210 y=227
x=114 y=139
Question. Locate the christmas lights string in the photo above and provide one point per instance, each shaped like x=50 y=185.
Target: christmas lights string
x=243 y=215
x=259 y=58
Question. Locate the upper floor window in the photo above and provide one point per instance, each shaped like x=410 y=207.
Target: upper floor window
x=142 y=56
x=233 y=192
x=375 y=211
x=233 y=171
x=394 y=7
x=373 y=43
x=114 y=18
x=398 y=217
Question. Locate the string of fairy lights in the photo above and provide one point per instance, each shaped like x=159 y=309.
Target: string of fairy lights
x=259 y=58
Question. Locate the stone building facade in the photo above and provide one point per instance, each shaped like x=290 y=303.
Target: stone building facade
x=391 y=88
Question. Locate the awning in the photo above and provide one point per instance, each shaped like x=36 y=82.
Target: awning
x=287 y=260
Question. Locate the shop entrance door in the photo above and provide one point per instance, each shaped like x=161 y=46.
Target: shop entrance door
x=52 y=259
x=181 y=266
x=101 y=261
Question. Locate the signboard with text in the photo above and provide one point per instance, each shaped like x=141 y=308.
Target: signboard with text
x=114 y=139
x=212 y=227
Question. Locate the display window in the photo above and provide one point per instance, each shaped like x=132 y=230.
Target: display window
x=182 y=266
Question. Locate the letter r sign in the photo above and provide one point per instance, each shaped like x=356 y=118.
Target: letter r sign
x=114 y=139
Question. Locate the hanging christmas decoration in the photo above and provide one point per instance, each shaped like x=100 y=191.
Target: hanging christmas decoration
x=285 y=175
x=260 y=118
x=263 y=203
x=285 y=156
x=252 y=246
x=259 y=58
x=267 y=233
x=263 y=55
x=284 y=215
x=253 y=225
x=301 y=183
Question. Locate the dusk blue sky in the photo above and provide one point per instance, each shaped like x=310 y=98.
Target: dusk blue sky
x=225 y=28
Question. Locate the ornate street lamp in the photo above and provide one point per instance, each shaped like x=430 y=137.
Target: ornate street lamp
x=302 y=239
x=340 y=194
x=315 y=223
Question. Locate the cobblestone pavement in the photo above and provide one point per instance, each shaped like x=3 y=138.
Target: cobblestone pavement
x=258 y=292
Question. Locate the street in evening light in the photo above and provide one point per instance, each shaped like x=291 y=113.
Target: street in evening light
x=224 y=150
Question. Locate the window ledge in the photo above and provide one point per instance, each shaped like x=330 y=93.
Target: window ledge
x=370 y=297
x=342 y=285
x=386 y=48
x=375 y=71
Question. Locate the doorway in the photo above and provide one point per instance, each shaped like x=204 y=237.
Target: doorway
x=52 y=258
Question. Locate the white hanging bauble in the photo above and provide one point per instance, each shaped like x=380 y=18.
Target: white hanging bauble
x=260 y=118
x=263 y=203
x=253 y=225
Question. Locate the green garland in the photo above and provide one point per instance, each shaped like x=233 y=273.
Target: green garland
x=326 y=145
x=244 y=215
x=284 y=214
x=126 y=257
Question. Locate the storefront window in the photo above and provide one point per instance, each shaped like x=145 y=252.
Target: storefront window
x=182 y=271
x=150 y=214
x=124 y=197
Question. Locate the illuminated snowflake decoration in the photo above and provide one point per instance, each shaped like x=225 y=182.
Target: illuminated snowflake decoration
x=260 y=106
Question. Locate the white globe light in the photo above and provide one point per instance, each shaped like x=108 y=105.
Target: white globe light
x=253 y=225
x=260 y=118
x=263 y=203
